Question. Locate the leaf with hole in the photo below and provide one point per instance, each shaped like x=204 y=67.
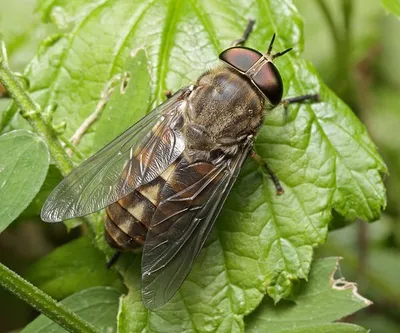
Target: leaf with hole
x=325 y=298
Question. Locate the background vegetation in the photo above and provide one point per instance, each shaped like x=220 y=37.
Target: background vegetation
x=78 y=46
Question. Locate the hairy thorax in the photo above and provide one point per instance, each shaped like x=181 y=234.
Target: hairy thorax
x=223 y=110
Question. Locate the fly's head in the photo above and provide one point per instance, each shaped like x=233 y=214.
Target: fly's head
x=259 y=69
x=226 y=106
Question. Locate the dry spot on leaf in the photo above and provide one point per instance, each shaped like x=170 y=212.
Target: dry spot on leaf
x=341 y=284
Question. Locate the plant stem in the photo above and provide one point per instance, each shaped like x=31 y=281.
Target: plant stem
x=72 y=147
x=43 y=302
x=32 y=113
x=342 y=81
x=329 y=19
x=347 y=8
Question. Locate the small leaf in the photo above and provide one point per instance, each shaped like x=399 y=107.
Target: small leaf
x=323 y=299
x=24 y=162
x=98 y=306
x=70 y=268
x=392 y=6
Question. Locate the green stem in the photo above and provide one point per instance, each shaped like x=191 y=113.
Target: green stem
x=342 y=81
x=43 y=302
x=329 y=19
x=347 y=7
x=73 y=148
x=32 y=113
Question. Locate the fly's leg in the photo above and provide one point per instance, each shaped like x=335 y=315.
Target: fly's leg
x=285 y=102
x=275 y=180
x=246 y=34
x=113 y=259
x=168 y=93
x=313 y=98
x=301 y=99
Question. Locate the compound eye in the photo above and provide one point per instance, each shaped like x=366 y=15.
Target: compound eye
x=241 y=58
x=269 y=81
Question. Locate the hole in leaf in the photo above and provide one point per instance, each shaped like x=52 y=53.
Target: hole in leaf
x=125 y=81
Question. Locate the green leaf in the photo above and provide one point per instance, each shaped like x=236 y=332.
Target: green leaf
x=99 y=306
x=323 y=299
x=23 y=168
x=392 y=6
x=70 y=268
x=322 y=153
x=327 y=328
x=52 y=179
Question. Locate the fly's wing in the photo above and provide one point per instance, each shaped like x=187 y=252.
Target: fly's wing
x=189 y=205
x=134 y=158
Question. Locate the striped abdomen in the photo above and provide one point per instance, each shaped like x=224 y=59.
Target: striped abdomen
x=180 y=190
x=129 y=218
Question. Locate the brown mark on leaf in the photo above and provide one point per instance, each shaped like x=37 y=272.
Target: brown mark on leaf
x=341 y=284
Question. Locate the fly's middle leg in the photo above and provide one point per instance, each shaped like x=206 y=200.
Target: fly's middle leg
x=274 y=178
x=246 y=34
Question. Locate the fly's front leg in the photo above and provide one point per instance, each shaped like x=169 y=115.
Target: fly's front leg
x=246 y=34
x=275 y=180
x=313 y=98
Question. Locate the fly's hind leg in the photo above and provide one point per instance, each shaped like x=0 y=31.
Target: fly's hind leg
x=113 y=259
x=168 y=93
x=246 y=34
x=274 y=178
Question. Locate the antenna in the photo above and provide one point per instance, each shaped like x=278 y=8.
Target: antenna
x=270 y=45
x=276 y=55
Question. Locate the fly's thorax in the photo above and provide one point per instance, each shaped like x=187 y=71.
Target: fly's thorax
x=223 y=110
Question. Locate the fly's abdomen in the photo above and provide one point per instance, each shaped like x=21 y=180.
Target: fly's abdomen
x=129 y=218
